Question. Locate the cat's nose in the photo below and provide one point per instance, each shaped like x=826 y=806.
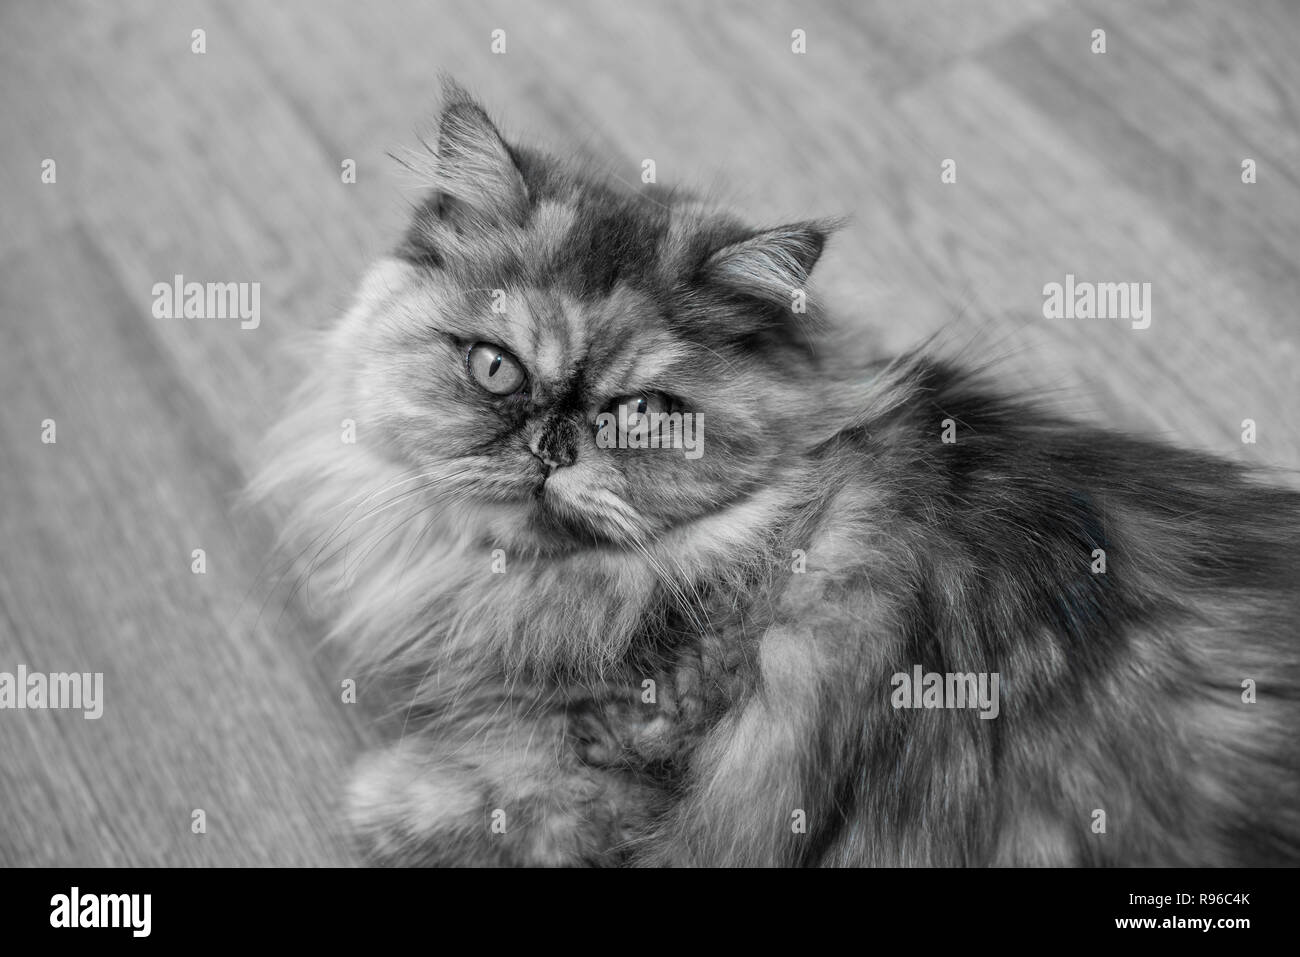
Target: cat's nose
x=556 y=444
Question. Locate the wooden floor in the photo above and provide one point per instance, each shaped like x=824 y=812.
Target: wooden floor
x=1122 y=166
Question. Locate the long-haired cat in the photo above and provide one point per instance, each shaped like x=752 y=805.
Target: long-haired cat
x=902 y=618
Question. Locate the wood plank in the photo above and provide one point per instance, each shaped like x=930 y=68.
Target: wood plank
x=225 y=167
x=206 y=705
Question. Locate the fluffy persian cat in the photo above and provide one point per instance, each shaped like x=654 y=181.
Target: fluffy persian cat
x=617 y=655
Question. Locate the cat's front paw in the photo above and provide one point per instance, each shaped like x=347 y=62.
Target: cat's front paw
x=408 y=810
x=409 y=806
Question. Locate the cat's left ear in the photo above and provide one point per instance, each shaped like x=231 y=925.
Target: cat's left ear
x=770 y=265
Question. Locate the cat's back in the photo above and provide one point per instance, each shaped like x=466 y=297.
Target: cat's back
x=1139 y=604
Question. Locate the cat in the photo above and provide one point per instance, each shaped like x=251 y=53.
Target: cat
x=608 y=655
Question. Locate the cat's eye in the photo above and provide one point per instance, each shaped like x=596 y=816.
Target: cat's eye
x=639 y=405
x=495 y=369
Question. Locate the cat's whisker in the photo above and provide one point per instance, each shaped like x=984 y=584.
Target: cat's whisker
x=321 y=557
x=288 y=565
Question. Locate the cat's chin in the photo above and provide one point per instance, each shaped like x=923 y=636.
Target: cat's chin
x=555 y=524
x=540 y=524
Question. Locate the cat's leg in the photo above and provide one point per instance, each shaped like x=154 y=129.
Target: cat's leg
x=762 y=781
x=505 y=786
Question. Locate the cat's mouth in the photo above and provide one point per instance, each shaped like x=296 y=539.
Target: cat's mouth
x=568 y=503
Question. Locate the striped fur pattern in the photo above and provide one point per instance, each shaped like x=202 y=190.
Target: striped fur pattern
x=633 y=657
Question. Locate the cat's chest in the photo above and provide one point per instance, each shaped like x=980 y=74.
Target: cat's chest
x=685 y=673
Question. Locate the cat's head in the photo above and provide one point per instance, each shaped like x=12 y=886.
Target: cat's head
x=528 y=298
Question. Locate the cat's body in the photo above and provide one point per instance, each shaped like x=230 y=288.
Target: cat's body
x=626 y=656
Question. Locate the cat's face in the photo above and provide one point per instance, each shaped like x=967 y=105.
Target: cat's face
x=528 y=300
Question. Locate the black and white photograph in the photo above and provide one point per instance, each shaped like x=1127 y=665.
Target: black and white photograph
x=500 y=434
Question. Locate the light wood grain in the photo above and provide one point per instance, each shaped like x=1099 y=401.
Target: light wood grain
x=1116 y=167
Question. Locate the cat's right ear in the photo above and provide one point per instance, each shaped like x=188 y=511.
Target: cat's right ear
x=474 y=170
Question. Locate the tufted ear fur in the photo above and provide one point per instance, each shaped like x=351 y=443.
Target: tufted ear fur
x=475 y=172
x=769 y=265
